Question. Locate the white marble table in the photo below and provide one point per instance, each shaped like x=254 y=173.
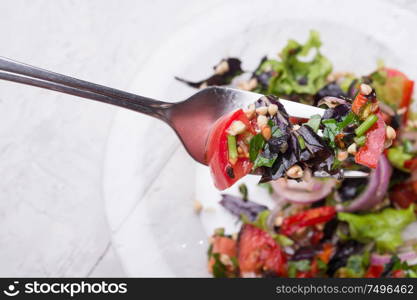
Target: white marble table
x=52 y=221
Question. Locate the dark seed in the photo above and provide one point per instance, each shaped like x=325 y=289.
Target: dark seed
x=303 y=81
x=229 y=172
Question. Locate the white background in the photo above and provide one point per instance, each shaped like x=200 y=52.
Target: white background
x=52 y=220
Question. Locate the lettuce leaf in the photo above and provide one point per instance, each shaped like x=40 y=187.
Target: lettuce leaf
x=296 y=72
x=388 y=89
x=300 y=265
x=397 y=157
x=314 y=122
x=356 y=265
x=384 y=227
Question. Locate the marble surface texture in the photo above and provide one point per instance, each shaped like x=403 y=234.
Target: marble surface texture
x=52 y=219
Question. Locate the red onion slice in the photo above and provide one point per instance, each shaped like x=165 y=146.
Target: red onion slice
x=305 y=191
x=331 y=102
x=378 y=259
x=312 y=189
x=408 y=256
x=361 y=201
x=409 y=135
x=384 y=178
x=376 y=189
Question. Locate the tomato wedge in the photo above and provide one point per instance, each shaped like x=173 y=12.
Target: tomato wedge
x=404 y=194
x=223 y=172
x=411 y=164
x=368 y=155
x=316 y=237
x=307 y=218
x=303 y=274
x=406 y=90
x=374 y=271
x=258 y=252
x=397 y=90
x=398 y=274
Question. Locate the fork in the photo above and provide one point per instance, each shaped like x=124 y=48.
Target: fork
x=191 y=119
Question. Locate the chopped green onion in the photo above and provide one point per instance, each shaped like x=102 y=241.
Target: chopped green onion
x=231 y=144
x=360 y=141
x=364 y=127
x=301 y=142
x=243 y=190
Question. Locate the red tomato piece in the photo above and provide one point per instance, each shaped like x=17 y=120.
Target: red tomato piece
x=393 y=73
x=217 y=154
x=408 y=86
x=314 y=270
x=294 y=120
x=303 y=274
x=368 y=155
x=411 y=164
x=374 y=271
x=257 y=252
x=316 y=237
x=407 y=89
x=407 y=96
x=403 y=194
x=307 y=218
x=398 y=274
x=224 y=245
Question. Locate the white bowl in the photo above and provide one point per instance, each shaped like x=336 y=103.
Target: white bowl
x=150 y=183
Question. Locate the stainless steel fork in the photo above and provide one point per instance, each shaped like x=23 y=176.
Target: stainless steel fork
x=191 y=118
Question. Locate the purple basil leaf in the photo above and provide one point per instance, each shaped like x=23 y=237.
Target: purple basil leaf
x=237 y=206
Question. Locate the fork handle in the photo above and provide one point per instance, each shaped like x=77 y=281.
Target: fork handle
x=30 y=75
